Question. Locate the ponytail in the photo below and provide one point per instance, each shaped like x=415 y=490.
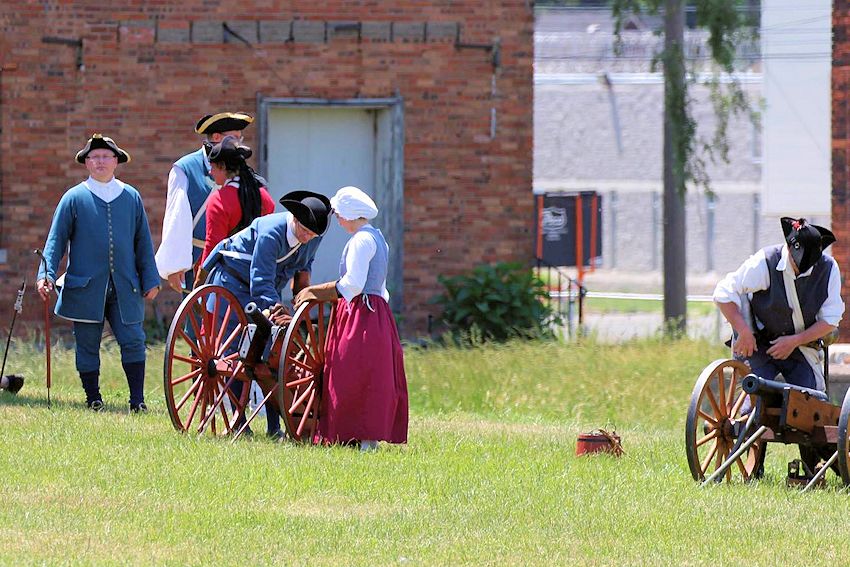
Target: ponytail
x=249 y=196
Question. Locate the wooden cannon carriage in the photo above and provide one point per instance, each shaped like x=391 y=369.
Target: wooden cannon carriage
x=213 y=343
x=733 y=414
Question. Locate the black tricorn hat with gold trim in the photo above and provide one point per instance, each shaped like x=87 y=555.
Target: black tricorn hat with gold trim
x=101 y=142
x=223 y=122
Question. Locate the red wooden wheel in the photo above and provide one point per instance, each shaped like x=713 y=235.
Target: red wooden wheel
x=301 y=368
x=714 y=416
x=201 y=362
x=843 y=445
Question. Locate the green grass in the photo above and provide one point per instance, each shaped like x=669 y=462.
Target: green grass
x=605 y=305
x=489 y=476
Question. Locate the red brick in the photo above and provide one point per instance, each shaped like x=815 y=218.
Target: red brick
x=467 y=196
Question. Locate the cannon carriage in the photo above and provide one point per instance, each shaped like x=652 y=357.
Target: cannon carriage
x=214 y=351
x=734 y=414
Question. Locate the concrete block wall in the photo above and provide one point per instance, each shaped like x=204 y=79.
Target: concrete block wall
x=633 y=231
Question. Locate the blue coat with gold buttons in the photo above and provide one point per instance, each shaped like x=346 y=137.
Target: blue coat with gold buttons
x=103 y=239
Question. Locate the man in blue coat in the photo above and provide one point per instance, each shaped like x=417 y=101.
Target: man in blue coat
x=111 y=268
x=256 y=262
x=189 y=188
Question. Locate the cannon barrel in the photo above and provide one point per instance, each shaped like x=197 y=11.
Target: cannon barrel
x=262 y=334
x=752 y=384
x=262 y=322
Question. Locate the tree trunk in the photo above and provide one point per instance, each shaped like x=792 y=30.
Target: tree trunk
x=675 y=154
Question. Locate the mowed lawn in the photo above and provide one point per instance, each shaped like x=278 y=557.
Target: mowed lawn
x=489 y=476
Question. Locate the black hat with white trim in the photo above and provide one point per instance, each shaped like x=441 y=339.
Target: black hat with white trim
x=805 y=241
x=101 y=142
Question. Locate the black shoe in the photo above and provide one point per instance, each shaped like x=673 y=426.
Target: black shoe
x=139 y=408
x=276 y=435
x=96 y=406
x=16 y=382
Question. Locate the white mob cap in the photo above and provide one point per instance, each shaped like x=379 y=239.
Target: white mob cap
x=351 y=203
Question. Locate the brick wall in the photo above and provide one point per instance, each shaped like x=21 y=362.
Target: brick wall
x=151 y=69
x=841 y=148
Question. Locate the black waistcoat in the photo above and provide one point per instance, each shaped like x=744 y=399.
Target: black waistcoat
x=771 y=307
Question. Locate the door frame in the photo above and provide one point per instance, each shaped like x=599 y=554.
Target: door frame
x=389 y=189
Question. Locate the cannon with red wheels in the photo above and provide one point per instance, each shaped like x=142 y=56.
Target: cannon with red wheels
x=733 y=414
x=214 y=346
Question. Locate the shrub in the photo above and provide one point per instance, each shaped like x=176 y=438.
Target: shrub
x=495 y=303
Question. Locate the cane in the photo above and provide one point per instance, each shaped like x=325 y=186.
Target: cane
x=19 y=305
x=46 y=325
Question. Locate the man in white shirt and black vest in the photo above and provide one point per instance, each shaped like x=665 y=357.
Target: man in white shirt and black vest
x=189 y=187
x=781 y=302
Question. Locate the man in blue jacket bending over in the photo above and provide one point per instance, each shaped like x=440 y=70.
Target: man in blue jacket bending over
x=111 y=268
x=256 y=262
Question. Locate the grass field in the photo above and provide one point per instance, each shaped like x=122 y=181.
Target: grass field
x=608 y=305
x=489 y=476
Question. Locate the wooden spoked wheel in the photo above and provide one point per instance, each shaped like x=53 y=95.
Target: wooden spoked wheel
x=201 y=362
x=301 y=368
x=714 y=417
x=843 y=444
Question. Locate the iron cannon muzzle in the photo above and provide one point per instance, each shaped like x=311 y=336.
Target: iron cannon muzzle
x=753 y=384
x=260 y=335
x=258 y=318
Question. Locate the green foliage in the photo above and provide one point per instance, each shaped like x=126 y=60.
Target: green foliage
x=728 y=28
x=495 y=303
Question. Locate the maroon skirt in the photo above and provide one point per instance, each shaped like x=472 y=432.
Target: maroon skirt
x=364 y=392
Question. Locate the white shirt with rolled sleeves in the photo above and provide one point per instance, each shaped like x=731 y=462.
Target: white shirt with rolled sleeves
x=753 y=276
x=361 y=249
x=175 y=250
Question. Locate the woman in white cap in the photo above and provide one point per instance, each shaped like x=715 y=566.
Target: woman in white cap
x=364 y=396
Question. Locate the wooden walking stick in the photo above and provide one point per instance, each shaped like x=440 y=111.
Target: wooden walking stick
x=46 y=325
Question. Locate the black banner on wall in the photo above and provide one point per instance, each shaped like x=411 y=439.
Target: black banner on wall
x=558 y=225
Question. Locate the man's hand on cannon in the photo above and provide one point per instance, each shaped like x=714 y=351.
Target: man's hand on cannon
x=319 y=292
x=44 y=288
x=278 y=315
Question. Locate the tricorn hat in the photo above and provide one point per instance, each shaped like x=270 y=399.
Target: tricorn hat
x=101 y=142
x=223 y=122
x=229 y=151
x=805 y=241
x=311 y=209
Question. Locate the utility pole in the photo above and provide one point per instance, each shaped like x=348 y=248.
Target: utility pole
x=675 y=156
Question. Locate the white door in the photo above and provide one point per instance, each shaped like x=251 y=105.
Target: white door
x=321 y=150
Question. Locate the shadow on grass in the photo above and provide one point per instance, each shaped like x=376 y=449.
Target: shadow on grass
x=19 y=400
x=24 y=400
